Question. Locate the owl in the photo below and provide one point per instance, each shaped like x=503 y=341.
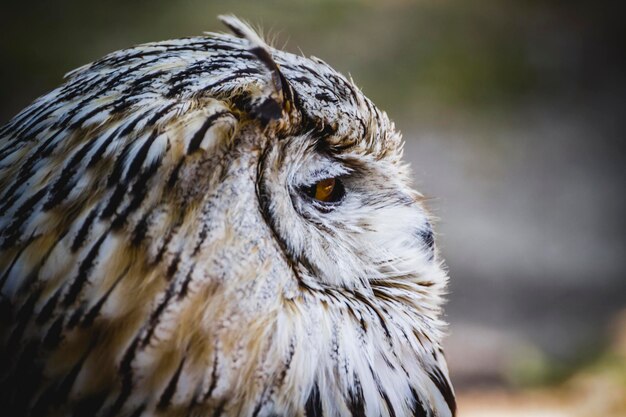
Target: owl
x=209 y=226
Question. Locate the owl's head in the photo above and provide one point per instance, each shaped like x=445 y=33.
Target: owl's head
x=330 y=180
x=236 y=225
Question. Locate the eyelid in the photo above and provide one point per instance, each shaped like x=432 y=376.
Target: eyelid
x=334 y=171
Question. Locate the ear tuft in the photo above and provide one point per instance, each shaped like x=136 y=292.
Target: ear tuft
x=242 y=30
x=281 y=97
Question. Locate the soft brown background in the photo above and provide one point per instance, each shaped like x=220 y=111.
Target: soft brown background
x=513 y=112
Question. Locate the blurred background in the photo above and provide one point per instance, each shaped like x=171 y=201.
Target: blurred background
x=513 y=115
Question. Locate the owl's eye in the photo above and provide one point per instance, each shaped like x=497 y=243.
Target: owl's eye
x=328 y=190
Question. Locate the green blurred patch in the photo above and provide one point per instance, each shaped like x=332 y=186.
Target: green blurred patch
x=533 y=369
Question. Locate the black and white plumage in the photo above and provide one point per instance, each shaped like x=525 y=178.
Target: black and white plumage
x=211 y=227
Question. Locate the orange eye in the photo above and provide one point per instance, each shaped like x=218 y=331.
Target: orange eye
x=328 y=190
x=324 y=189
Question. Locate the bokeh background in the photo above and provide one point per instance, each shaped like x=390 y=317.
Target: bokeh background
x=513 y=115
